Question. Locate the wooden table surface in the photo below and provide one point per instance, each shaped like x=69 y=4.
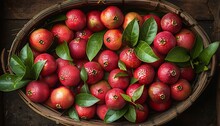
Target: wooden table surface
x=13 y=111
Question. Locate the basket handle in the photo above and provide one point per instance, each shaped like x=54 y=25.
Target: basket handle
x=4 y=63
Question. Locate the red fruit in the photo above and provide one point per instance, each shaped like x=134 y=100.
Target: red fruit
x=62 y=33
x=49 y=103
x=141 y=113
x=50 y=65
x=108 y=60
x=145 y=74
x=117 y=81
x=94 y=71
x=41 y=40
x=185 y=38
x=51 y=80
x=156 y=18
x=160 y=107
x=171 y=22
x=112 y=17
x=168 y=73
x=80 y=63
x=94 y=22
x=37 y=91
x=187 y=73
x=164 y=42
x=130 y=16
x=85 y=112
x=35 y=53
x=180 y=90
x=101 y=111
x=61 y=62
x=84 y=34
x=114 y=100
x=99 y=90
x=76 y=19
x=129 y=57
x=113 y=39
x=77 y=48
x=159 y=92
x=69 y=75
x=132 y=88
x=62 y=97
x=158 y=62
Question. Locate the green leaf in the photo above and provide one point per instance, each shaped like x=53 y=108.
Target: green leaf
x=197 y=48
x=207 y=53
x=36 y=69
x=137 y=94
x=126 y=97
x=131 y=33
x=145 y=53
x=10 y=82
x=85 y=99
x=56 y=18
x=121 y=65
x=200 y=68
x=130 y=115
x=27 y=56
x=178 y=54
x=85 y=88
x=148 y=30
x=94 y=44
x=63 y=52
x=73 y=114
x=17 y=66
x=113 y=115
x=121 y=74
x=83 y=74
x=133 y=80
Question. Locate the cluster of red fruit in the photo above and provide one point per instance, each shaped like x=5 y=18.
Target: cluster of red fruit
x=154 y=84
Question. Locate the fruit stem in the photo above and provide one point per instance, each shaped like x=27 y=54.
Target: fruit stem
x=173 y=73
x=162 y=96
x=179 y=87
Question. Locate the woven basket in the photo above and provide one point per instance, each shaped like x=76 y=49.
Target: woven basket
x=142 y=5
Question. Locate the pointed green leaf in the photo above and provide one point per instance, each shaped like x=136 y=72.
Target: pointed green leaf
x=126 y=97
x=85 y=88
x=207 y=53
x=85 y=99
x=83 y=74
x=137 y=94
x=36 y=69
x=200 y=68
x=131 y=33
x=197 y=48
x=178 y=54
x=130 y=115
x=17 y=66
x=121 y=74
x=145 y=53
x=73 y=114
x=94 y=45
x=121 y=65
x=148 y=30
x=27 y=56
x=56 y=18
x=133 y=80
x=113 y=115
x=63 y=52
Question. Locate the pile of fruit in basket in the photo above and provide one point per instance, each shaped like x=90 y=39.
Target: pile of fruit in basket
x=109 y=64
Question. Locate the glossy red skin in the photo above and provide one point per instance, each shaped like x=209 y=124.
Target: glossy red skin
x=142 y=114
x=108 y=60
x=99 y=90
x=62 y=33
x=94 y=71
x=114 y=100
x=187 y=73
x=37 y=91
x=51 y=79
x=159 y=92
x=168 y=73
x=129 y=58
x=185 y=38
x=130 y=16
x=69 y=75
x=113 y=39
x=84 y=34
x=80 y=63
x=77 y=48
x=94 y=22
x=49 y=103
x=159 y=61
x=112 y=17
x=160 y=107
x=164 y=42
x=181 y=90
x=171 y=22
x=132 y=88
x=50 y=66
x=145 y=74
x=121 y=82
x=76 y=19
x=85 y=112
x=62 y=97
x=156 y=18
x=61 y=62
x=101 y=111
x=41 y=40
